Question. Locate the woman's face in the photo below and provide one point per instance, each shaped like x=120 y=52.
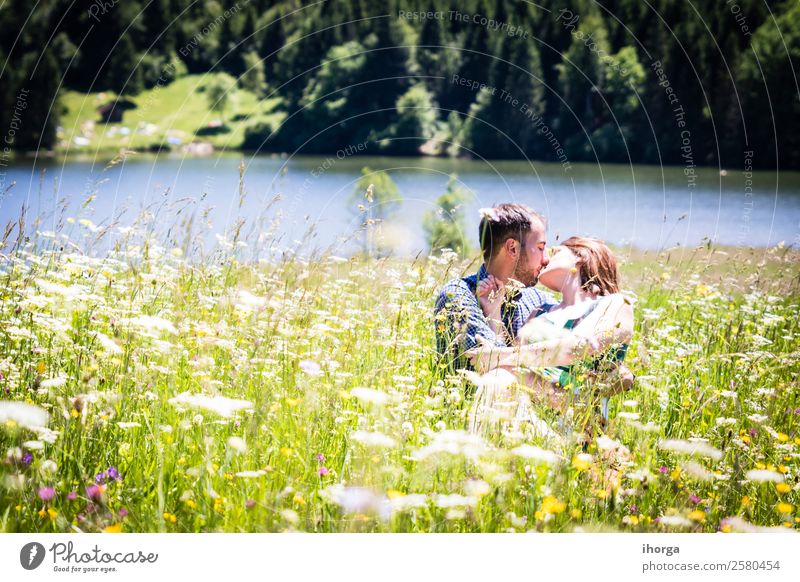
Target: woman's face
x=563 y=264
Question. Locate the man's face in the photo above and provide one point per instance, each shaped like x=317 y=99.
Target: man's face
x=533 y=257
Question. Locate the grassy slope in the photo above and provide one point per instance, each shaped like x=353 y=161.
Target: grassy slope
x=179 y=109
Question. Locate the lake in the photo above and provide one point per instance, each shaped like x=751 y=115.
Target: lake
x=646 y=207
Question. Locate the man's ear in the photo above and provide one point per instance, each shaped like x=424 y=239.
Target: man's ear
x=512 y=247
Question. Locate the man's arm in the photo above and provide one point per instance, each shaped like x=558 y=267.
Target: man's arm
x=609 y=324
x=459 y=321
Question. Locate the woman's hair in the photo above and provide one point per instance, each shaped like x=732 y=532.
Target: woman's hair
x=598 y=266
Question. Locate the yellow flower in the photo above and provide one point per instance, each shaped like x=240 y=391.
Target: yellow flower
x=797 y=440
x=286 y=452
x=785 y=507
x=783 y=468
x=697 y=515
x=40 y=367
x=760 y=466
x=676 y=474
x=582 y=462
x=394 y=494
x=745 y=501
x=228 y=476
x=782 y=488
x=552 y=505
x=116 y=528
x=745 y=439
x=783 y=437
x=11 y=423
x=190 y=503
x=726 y=528
x=298 y=499
x=170 y=517
x=702 y=290
x=539 y=515
x=575 y=513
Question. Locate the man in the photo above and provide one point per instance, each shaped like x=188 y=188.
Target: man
x=513 y=243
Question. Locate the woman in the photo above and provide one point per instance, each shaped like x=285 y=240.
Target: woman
x=560 y=349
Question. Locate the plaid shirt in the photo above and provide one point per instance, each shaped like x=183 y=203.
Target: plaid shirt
x=459 y=319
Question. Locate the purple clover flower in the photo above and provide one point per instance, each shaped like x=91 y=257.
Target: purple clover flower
x=94 y=492
x=123 y=513
x=323 y=471
x=694 y=499
x=320 y=457
x=112 y=474
x=72 y=496
x=47 y=494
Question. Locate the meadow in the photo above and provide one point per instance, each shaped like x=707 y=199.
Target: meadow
x=145 y=391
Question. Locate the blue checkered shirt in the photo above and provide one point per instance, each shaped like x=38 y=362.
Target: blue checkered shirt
x=459 y=319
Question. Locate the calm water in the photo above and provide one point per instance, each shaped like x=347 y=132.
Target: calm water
x=644 y=206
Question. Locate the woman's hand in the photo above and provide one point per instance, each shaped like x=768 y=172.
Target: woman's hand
x=491 y=293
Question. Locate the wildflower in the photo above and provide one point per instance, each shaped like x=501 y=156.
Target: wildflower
x=72 y=496
x=170 y=517
x=552 y=505
x=115 y=528
x=782 y=487
x=663 y=470
x=698 y=449
x=373 y=439
x=745 y=501
x=673 y=521
x=287 y=452
x=251 y=474
x=785 y=507
x=310 y=367
x=477 y=487
x=763 y=476
x=237 y=444
x=320 y=458
x=221 y=405
x=630 y=520
x=22 y=414
x=582 y=461
x=370 y=396
x=452 y=442
x=123 y=513
x=95 y=492
x=322 y=471
x=694 y=499
x=455 y=500
x=249 y=504
x=697 y=515
x=47 y=494
x=536 y=454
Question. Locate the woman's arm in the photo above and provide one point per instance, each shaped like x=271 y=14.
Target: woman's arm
x=610 y=323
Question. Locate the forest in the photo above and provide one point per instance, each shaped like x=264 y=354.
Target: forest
x=622 y=81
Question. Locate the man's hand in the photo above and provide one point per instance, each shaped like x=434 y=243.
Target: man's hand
x=485 y=357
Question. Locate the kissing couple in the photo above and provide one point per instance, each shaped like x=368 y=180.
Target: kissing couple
x=521 y=346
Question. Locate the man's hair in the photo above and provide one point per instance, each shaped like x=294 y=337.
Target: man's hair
x=504 y=221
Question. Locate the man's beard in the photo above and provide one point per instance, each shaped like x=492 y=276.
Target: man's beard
x=524 y=274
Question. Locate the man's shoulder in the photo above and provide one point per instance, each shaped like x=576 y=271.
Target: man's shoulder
x=455 y=289
x=536 y=296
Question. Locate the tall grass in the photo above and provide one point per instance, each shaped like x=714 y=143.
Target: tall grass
x=326 y=409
